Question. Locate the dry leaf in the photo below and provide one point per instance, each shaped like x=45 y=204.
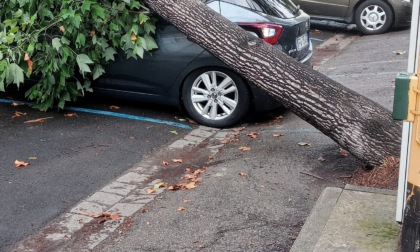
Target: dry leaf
x=20 y=164
x=278 y=135
x=39 y=120
x=26 y=57
x=32 y=158
x=18 y=114
x=30 y=64
x=15 y=104
x=198 y=180
x=177 y=161
x=150 y=191
x=114 y=107
x=321 y=159
x=239 y=129
x=181 y=208
x=174 y=187
x=190 y=185
x=304 y=144
x=187 y=201
x=90 y=214
x=244 y=148
x=70 y=114
x=189 y=176
x=224 y=141
x=242 y=174
x=253 y=134
x=187 y=169
x=343 y=153
x=62 y=28
x=199 y=171
x=160 y=185
x=131 y=138
x=133 y=37
x=115 y=216
x=165 y=163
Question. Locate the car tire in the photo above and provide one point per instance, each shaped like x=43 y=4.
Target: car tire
x=215 y=97
x=374 y=17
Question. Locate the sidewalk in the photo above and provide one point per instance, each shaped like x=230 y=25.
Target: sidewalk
x=354 y=219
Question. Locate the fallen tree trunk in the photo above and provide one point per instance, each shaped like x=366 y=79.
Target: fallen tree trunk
x=356 y=123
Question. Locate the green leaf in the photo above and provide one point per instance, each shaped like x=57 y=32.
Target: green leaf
x=150 y=42
x=82 y=61
x=98 y=11
x=109 y=54
x=80 y=40
x=149 y=28
x=97 y=71
x=173 y=132
x=56 y=43
x=86 y=6
x=65 y=13
x=14 y=74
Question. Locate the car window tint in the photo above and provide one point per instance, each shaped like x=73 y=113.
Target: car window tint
x=276 y=8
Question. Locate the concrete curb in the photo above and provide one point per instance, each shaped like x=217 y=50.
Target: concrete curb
x=315 y=223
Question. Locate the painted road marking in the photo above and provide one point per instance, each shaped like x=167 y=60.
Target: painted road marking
x=114 y=114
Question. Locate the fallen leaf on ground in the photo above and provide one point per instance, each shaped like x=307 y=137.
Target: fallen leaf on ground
x=190 y=185
x=131 y=138
x=150 y=191
x=321 y=159
x=244 y=148
x=165 y=163
x=32 y=158
x=278 y=135
x=242 y=174
x=199 y=171
x=39 y=120
x=15 y=104
x=192 y=121
x=224 y=141
x=186 y=201
x=198 y=180
x=189 y=176
x=187 y=169
x=18 y=114
x=304 y=144
x=177 y=161
x=239 y=129
x=253 y=134
x=173 y=132
x=174 y=187
x=93 y=215
x=181 y=208
x=114 y=107
x=70 y=114
x=399 y=52
x=20 y=164
x=343 y=153
x=160 y=185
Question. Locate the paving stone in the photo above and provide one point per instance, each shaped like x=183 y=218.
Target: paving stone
x=74 y=222
x=201 y=133
x=140 y=169
x=132 y=178
x=89 y=207
x=138 y=199
x=180 y=144
x=194 y=139
x=125 y=209
x=118 y=188
x=222 y=135
x=104 y=198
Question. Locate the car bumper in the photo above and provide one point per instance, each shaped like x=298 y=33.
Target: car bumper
x=402 y=13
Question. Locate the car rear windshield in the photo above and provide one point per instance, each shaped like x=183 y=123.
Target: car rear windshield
x=276 y=8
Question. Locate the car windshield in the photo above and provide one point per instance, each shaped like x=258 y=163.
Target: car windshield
x=276 y=8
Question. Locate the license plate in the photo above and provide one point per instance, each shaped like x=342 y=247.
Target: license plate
x=302 y=42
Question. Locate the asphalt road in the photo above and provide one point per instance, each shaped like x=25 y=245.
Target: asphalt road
x=70 y=157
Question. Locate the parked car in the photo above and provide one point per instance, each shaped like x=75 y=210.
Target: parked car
x=370 y=16
x=182 y=73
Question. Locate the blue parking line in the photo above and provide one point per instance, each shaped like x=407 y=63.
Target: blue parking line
x=108 y=113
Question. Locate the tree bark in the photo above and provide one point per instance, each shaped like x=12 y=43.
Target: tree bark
x=356 y=123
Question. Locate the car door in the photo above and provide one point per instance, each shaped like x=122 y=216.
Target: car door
x=332 y=8
x=155 y=73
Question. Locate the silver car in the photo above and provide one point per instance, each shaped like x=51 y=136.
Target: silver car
x=370 y=16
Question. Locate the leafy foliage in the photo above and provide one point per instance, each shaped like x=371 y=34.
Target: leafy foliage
x=67 y=43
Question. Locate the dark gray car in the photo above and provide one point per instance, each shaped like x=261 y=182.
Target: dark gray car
x=370 y=16
x=182 y=73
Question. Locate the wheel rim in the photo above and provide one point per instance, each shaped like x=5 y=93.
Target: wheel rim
x=373 y=17
x=214 y=95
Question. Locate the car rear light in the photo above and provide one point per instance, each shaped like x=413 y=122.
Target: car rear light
x=269 y=32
